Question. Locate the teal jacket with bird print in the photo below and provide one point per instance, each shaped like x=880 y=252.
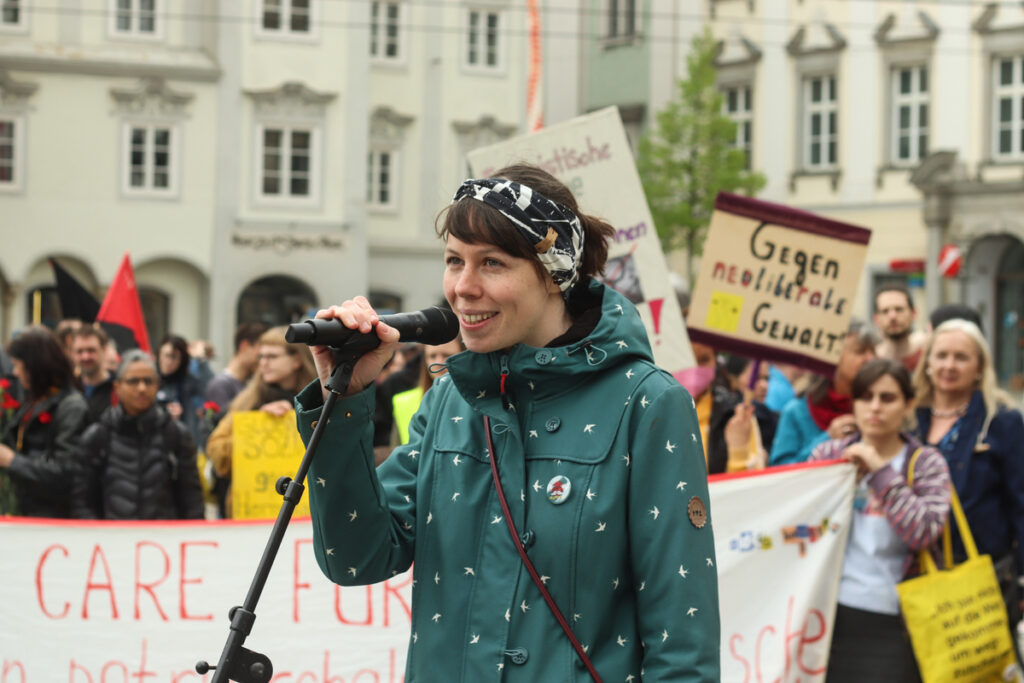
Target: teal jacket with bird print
x=627 y=552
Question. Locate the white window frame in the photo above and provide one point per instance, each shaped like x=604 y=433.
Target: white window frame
x=148 y=189
x=17 y=184
x=284 y=30
x=20 y=25
x=373 y=188
x=1015 y=93
x=742 y=116
x=288 y=128
x=379 y=26
x=134 y=30
x=475 y=40
x=919 y=96
x=622 y=20
x=823 y=109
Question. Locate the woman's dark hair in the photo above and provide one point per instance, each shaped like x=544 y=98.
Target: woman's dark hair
x=181 y=346
x=874 y=370
x=45 y=361
x=475 y=222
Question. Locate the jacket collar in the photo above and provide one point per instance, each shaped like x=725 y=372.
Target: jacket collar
x=540 y=373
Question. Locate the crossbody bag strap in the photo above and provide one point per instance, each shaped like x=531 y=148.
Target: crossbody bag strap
x=526 y=558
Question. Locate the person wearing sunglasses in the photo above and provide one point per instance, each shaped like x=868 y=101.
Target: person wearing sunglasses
x=137 y=462
x=552 y=498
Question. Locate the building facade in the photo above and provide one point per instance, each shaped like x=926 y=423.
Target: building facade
x=256 y=160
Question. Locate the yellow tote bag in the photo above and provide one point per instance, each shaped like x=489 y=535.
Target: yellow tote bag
x=956 y=616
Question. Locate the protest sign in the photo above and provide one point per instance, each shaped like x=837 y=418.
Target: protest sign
x=591 y=155
x=106 y=602
x=780 y=537
x=265 y=448
x=777 y=283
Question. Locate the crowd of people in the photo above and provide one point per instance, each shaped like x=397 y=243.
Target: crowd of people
x=89 y=433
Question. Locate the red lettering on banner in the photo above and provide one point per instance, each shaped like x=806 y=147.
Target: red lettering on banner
x=374 y=676
x=301 y=678
x=109 y=665
x=8 y=668
x=328 y=678
x=736 y=655
x=39 y=583
x=296 y=584
x=757 y=652
x=142 y=673
x=71 y=672
x=182 y=610
x=90 y=586
x=369 y=607
x=392 y=589
x=802 y=637
x=176 y=678
x=148 y=587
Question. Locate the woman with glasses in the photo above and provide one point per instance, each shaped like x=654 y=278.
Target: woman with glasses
x=38 y=431
x=283 y=370
x=137 y=462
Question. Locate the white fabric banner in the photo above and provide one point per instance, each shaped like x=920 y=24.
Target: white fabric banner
x=85 y=602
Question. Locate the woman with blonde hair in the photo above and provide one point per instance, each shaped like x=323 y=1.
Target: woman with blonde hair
x=963 y=413
x=282 y=372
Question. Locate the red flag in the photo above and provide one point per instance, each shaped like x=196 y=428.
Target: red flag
x=121 y=312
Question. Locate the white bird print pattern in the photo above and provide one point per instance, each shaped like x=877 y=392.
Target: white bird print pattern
x=322 y=482
x=437 y=578
x=690 y=612
x=436 y=618
x=475 y=639
x=352 y=515
x=601 y=526
x=457 y=419
x=644 y=402
x=654 y=511
x=629 y=373
x=352 y=571
x=670 y=447
x=591 y=494
x=589 y=429
x=622 y=641
x=470 y=572
x=456 y=460
x=683 y=572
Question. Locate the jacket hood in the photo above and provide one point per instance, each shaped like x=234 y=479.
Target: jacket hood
x=618 y=337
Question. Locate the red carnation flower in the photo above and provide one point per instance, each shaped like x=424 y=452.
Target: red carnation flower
x=211 y=405
x=45 y=418
x=5 y=383
x=9 y=403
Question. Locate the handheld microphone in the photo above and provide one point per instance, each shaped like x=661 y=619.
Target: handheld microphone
x=434 y=326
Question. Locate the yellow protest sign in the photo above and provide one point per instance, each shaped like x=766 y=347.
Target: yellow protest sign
x=265 y=448
x=777 y=283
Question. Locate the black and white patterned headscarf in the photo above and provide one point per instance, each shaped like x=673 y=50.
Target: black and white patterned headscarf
x=553 y=230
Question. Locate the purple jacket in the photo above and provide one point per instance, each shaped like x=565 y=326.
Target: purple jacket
x=917 y=514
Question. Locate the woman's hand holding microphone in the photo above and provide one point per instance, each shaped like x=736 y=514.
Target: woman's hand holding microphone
x=356 y=314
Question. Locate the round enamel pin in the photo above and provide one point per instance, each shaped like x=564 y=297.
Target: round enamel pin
x=698 y=512
x=558 y=489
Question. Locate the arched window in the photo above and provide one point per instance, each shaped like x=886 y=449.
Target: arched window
x=156 y=310
x=276 y=300
x=43 y=306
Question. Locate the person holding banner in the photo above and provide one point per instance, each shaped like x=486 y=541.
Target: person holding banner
x=823 y=411
x=283 y=370
x=892 y=521
x=963 y=413
x=554 y=433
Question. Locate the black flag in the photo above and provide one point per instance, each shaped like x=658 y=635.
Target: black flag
x=75 y=300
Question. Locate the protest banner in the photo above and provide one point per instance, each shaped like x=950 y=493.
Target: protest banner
x=591 y=155
x=777 y=283
x=780 y=537
x=113 y=602
x=265 y=448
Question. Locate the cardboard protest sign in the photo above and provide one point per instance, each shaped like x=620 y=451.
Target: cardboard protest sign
x=777 y=283
x=266 y=447
x=591 y=155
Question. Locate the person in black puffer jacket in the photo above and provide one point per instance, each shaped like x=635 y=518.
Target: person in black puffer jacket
x=137 y=462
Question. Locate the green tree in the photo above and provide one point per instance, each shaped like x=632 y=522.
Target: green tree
x=689 y=156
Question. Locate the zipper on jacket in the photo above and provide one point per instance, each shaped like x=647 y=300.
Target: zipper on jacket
x=506 y=400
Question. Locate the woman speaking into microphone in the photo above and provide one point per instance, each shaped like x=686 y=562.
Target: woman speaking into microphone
x=552 y=497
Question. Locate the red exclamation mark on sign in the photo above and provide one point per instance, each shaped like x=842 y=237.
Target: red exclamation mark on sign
x=655 y=305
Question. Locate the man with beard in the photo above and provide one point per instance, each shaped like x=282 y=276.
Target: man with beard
x=88 y=344
x=894 y=317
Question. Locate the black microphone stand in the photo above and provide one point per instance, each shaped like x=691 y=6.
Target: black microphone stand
x=238 y=663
